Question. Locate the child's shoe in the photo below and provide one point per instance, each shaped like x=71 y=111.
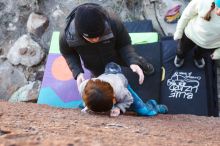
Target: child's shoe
x=142 y=109
x=200 y=63
x=160 y=108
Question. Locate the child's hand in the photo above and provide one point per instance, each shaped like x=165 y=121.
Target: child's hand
x=115 y=112
x=85 y=110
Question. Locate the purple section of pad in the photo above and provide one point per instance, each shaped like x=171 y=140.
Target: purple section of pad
x=66 y=90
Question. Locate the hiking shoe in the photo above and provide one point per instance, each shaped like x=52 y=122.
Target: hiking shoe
x=200 y=63
x=178 y=62
x=147 y=68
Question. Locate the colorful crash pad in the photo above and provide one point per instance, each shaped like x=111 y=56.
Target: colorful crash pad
x=58 y=88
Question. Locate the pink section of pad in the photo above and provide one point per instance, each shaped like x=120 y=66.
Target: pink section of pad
x=173 y=11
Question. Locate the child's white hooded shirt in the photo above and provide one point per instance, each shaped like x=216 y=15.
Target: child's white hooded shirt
x=205 y=34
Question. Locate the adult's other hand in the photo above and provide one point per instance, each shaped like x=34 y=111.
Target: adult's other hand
x=139 y=71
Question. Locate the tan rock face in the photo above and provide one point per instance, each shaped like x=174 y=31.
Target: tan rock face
x=22 y=51
x=26 y=93
x=25 y=51
x=10 y=80
x=1 y=51
x=37 y=24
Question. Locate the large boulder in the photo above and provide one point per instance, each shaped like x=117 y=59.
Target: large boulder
x=27 y=93
x=14 y=15
x=25 y=51
x=37 y=24
x=10 y=80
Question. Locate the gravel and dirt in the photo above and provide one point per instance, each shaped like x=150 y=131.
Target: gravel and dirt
x=23 y=124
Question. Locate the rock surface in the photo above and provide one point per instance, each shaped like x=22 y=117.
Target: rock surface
x=25 y=51
x=27 y=124
x=9 y=85
x=37 y=24
x=27 y=93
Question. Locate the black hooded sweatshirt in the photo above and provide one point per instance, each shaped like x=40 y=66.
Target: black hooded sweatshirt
x=114 y=46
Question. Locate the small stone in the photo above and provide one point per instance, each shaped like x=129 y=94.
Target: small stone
x=23 y=51
x=32 y=52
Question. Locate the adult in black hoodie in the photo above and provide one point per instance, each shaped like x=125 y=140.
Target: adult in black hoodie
x=98 y=37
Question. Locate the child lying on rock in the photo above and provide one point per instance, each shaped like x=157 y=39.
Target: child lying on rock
x=111 y=92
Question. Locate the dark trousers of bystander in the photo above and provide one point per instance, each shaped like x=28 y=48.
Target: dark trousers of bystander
x=185 y=45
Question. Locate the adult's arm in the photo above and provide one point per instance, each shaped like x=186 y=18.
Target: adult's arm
x=125 y=97
x=71 y=56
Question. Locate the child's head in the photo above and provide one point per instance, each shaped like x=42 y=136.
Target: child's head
x=98 y=96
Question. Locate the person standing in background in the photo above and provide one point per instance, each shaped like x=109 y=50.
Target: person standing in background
x=199 y=27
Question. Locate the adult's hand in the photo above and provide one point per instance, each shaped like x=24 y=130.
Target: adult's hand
x=80 y=79
x=139 y=71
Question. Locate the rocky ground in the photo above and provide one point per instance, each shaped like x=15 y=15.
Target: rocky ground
x=30 y=124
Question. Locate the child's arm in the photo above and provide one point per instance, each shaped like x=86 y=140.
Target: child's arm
x=124 y=97
x=115 y=112
x=124 y=101
x=189 y=12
